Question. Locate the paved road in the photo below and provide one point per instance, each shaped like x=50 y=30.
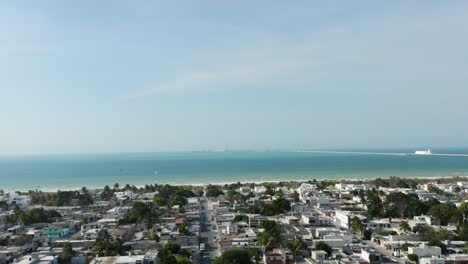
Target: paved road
x=387 y=254
x=207 y=234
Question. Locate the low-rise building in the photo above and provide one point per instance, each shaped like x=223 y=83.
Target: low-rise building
x=55 y=232
x=278 y=256
x=318 y=255
x=425 y=251
x=148 y=258
x=371 y=256
x=432 y=260
x=13 y=198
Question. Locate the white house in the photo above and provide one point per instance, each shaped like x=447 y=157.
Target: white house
x=425 y=251
x=126 y=195
x=432 y=260
x=304 y=191
x=319 y=255
x=260 y=189
x=245 y=190
x=371 y=256
x=148 y=258
x=343 y=218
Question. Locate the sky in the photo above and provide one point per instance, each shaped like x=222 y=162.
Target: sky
x=138 y=76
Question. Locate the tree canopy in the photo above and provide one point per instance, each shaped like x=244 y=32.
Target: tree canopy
x=239 y=256
x=325 y=247
x=271 y=235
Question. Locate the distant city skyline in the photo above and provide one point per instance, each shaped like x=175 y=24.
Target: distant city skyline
x=153 y=76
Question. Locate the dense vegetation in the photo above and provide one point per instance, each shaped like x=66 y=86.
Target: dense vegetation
x=213 y=191
x=278 y=206
x=393 y=205
x=325 y=247
x=36 y=215
x=172 y=195
x=141 y=213
x=241 y=256
x=105 y=245
x=61 y=198
x=171 y=249
x=271 y=236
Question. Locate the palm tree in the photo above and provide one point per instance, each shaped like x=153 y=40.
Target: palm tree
x=356 y=225
x=297 y=245
x=405 y=227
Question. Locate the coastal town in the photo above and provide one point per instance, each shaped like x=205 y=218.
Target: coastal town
x=392 y=220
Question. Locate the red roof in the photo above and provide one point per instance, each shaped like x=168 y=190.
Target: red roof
x=179 y=221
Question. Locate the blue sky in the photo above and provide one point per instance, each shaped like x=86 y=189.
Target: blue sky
x=125 y=76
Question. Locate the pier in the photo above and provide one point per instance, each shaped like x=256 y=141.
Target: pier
x=386 y=153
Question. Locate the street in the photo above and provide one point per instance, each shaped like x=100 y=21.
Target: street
x=206 y=234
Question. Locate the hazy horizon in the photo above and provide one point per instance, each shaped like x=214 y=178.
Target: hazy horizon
x=153 y=76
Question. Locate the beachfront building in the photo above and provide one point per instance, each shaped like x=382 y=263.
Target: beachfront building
x=245 y=190
x=13 y=198
x=125 y=195
x=260 y=189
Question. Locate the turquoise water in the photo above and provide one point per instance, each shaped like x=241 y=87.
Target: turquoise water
x=74 y=171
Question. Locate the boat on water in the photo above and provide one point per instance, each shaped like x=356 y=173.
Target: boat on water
x=423 y=152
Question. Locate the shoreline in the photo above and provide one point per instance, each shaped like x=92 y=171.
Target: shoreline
x=95 y=188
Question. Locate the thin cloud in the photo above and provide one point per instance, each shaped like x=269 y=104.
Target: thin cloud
x=219 y=79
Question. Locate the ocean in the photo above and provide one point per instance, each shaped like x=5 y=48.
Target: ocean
x=97 y=170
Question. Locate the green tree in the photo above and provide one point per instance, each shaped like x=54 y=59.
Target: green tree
x=325 y=247
x=403 y=205
x=413 y=258
x=356 y=225
x=67 y=254
x=236 y=256
x=159 y=201
x=183 y=260
x=241 y=218
x=178 y=200
x=296 y=197
x=405 y=227
x=107 y=193
x=297 y=245
x=460 y=214
x=167 y=259
x=434 y=189
x=183 y=230
x=271 y=235
x=104 y=245
x=213 y=191
x=367 y=234
x=269 y=190
x=442 y=212
x=172 y=248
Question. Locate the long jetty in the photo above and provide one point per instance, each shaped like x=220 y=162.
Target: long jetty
x=385 y=153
